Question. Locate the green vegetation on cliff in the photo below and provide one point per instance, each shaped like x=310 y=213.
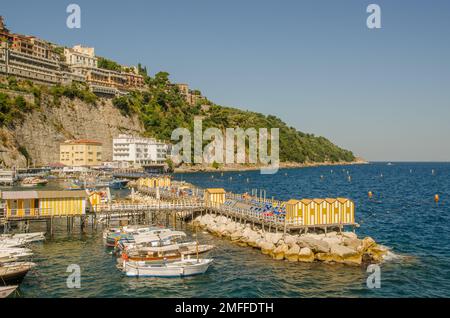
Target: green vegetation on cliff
x=161 y=109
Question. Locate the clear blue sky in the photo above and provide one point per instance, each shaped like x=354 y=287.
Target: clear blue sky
x=385 y=94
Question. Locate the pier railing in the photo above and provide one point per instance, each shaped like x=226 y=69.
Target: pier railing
x=161 y=205
x=36 y=213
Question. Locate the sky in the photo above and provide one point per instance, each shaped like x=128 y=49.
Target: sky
x=382 y=93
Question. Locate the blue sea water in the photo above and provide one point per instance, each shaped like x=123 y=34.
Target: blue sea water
x=401 y=215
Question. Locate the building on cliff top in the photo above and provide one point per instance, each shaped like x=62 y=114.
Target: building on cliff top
x=191 y=96
x=31 y=58
x=81 y=153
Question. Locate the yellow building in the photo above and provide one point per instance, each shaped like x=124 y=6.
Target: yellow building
x=19 y=204
x=214 y=196
x=155 y=182
x=306 y=212
x=80 y=153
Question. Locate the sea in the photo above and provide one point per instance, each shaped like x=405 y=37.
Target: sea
x=402 y=215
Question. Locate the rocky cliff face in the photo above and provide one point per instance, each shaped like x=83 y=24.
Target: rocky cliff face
x=42 y=131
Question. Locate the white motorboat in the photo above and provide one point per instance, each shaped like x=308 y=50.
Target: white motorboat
x=8 y=243
x=7 y=290
x=15 y=253
x=183 y=268
x=23 y=238
x=136 y=230
x=166 y=236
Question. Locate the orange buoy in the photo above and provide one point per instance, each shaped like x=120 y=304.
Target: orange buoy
x=370 y=194
x=436 y=198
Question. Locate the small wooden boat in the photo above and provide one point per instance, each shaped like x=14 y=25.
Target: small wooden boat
x=28 y=237
x=159 y=254
x=183 y=268
x=14 y=273
x=33 y=182
x=7 y=290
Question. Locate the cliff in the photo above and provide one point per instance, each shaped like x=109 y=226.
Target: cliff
x=34 y=120
x=40 y=132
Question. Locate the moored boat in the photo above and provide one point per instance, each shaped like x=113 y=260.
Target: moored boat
x=183 y=268
x=33 y=182
x=172 y=252
x=7 y=290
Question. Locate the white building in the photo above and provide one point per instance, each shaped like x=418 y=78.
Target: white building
x=81 y=56
x=139 y=151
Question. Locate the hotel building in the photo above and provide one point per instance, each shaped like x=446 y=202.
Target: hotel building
x=139 y=151
x=30 y=58
x=81 y=153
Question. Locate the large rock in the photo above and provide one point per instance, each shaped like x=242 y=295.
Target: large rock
x=349 y=235
x=267 y=247
x=292 y=254
x=377 y=253
x=290 y=239
x=253 y=239
x=352 y=243
x=274 y=238
x=341 y=254
x=367 y=243
x=342 y=251
x=280 y=251
x=236 y=235
x=306 y=255
x=332 y=240
x=317 y=246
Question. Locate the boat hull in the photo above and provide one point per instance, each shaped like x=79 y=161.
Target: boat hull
x=166 y=270
x=15 y=278
x=6 y=291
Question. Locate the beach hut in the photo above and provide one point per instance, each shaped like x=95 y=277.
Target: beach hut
x=214 y=196
x=347 y=211
x=294 y=212
x=320 y=212
x=305 y=211
x=20 y=204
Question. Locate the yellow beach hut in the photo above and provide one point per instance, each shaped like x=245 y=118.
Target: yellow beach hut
x=214 y=196
x=21 y=204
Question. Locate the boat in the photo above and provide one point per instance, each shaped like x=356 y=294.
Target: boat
x=118 y=184
x=172 y=252
x=7 y=290
x=33 y=182
x=28 y=237
x=14 y=273
x=14 y=254
x=11 y=243
x=183 y=268
x=150 y=239
x=138 y=234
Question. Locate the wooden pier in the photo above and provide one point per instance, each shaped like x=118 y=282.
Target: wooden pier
x=164 y=205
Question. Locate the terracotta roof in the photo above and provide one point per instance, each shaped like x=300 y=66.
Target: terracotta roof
x=83 y=142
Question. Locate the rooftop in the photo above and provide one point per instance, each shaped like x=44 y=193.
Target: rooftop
x=83 y=142
x=16 y=195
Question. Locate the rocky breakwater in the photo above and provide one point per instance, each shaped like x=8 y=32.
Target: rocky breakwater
x=333 y=247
